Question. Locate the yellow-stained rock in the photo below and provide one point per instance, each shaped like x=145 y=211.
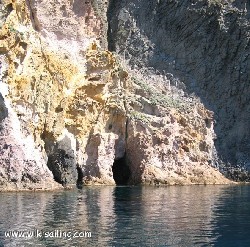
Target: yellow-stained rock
x=76 y=111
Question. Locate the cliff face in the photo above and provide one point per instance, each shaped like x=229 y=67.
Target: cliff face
x=62 y=90
x=70 y=111
x=205 y=46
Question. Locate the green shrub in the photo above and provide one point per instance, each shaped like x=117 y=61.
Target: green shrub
x=140 y=116
x=158 y=98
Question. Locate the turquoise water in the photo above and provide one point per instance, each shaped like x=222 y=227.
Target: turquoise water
x=129 y=216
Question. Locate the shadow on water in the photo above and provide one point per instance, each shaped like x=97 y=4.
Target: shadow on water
x=233 y=215
x=131 y=216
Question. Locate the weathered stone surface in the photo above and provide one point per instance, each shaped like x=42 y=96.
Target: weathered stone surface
x=70 y=23
x=68 y=101
x=170 y=139
x=169 y=150
x=204 y=44
x=71 y=113
x=22 y=166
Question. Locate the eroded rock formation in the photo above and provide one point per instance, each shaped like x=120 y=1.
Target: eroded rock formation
x=71 y=111
x=205 y=45
x=66 y=95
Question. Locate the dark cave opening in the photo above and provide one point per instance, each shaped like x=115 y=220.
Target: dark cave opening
x=80 y=176
x=121 y=171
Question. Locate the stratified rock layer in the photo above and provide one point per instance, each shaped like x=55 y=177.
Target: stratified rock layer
x=71 y=113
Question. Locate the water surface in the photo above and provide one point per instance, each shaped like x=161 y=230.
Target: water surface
x=130 y=216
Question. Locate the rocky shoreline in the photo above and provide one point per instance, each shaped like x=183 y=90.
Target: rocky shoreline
x=72 y=111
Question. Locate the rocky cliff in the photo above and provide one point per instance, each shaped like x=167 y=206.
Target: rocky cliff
x=73 y=112
x=204 y=45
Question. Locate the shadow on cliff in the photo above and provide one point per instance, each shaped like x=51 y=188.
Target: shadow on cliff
x=3 y=109
x=210 y=56
x=120 y=169
x=91 y=167
x=33 y=16
x=61 y=159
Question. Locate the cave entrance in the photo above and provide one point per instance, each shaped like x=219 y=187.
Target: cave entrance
x=80 y=176
x=121 y=171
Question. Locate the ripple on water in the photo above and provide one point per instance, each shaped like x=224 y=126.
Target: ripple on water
x=132 y=216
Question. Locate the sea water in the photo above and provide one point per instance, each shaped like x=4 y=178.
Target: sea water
x=127 y=216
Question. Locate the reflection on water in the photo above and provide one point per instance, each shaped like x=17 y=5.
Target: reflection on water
x=232 y=222
x=131 y=216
